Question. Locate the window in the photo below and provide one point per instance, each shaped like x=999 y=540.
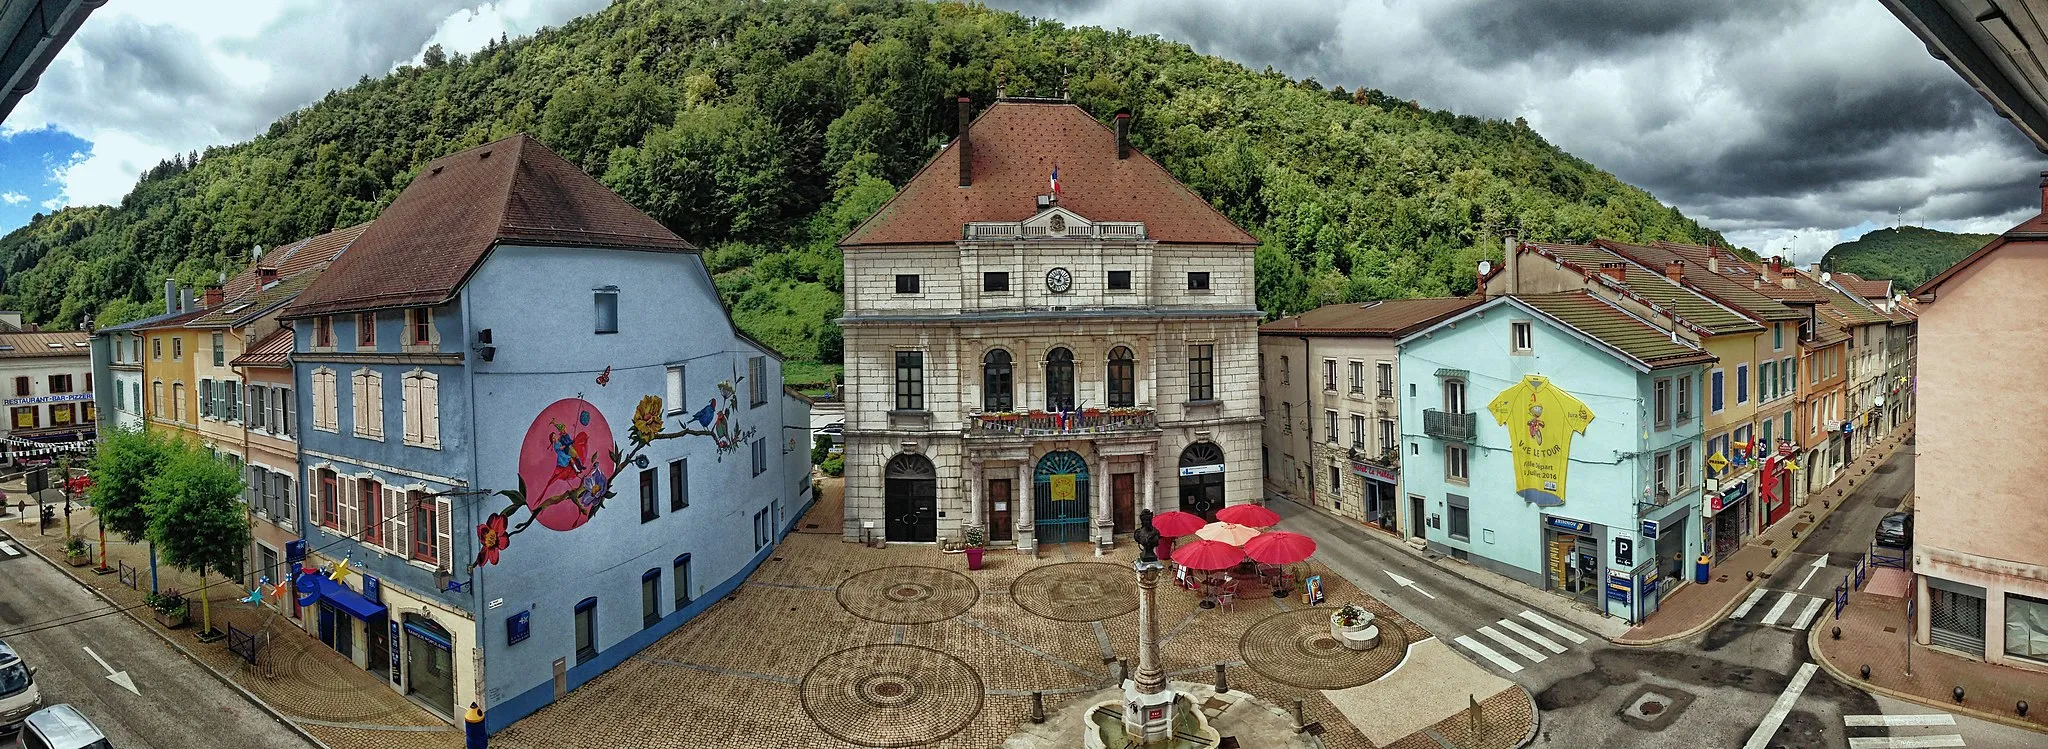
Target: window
x=1389 y=441
x=586 y=630
x=1059 y=380
x=157 y=399
x=206 y=399
x=1766 y=381
x=1119 y=280
x=2026 y=627
x=420 y=322
x=607 y=300
x=1777 y=336
x=177 y=348
x=757 y=373
x=326 y=413
x=1329 y=375
x=682 y=567
x=760 y=455
x=1715 y=390
x=1330 y=427
x=424 y=528
x=120 y=399
x=285 y=409
x=156 y=348
x=178 y=401
x=88 y=382
x=650 y=597
x=1336 y=480
x=996 y=378
x=1742 y=383
x=1684 y=399
x=25 y=417
x=906 y=283
x=21 y=387
x=1524 y=337
x=1454 y=396
x=990 y=281
x=60 y=414
x=650 y=496
x=370 y=495
x=368 y=394
x=674 y=380
x=234 y=393
x=1123 y=378
x=1788 y=375
x=330 y=499
x=1198 y=281
x=1661 y=402
x=910 y=380
x=60 y=383
x=1286 y=417
x=1682 y=464
x=366 y=330
x=678 y=484
x=1460 y=518
x=1661 y=473
x=761 y=529
x=1357 y=377
x=1283 y=370
x=1358 y=431
x=1202 y=372
x=1456 y=465
x=323 y=331
x=1787 y=431
x=1765 y=446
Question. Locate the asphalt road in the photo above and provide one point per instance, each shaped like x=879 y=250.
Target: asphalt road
x=179 y=705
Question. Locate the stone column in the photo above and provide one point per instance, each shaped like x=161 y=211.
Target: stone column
x=1027 y=510
x=975 y=500
x=1146 y=690
x=1151 y=475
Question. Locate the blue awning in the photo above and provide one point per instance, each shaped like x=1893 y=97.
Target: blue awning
x=352 y=602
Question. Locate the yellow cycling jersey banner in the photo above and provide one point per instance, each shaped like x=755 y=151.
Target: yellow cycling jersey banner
x=1541 y=419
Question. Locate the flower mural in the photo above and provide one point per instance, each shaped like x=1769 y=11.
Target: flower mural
x=492 y=539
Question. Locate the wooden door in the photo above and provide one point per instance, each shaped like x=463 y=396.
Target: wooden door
x=1122 y=491
x=1000 y=497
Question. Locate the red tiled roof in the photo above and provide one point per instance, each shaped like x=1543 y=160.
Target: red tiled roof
x=1863 y=287
x=1393 y=317
x=1015 y=146
x=275 y=350
x=289 y=259
x=425 y=245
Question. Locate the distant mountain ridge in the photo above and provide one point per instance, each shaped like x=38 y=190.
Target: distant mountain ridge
x=1906 y=255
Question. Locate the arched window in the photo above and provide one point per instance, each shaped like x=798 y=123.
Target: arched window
x=996 y=381
x=1059 y=380
x=1123 y=368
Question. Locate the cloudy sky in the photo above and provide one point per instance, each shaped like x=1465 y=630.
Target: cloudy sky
x=1788 y=125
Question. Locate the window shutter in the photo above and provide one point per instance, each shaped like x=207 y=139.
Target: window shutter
x=376 y=405
x=205 y=398
x=400 y=542
x=252 y=488
x=410 y=402
x=285 y=409
x=288 y=501
x=430 y=411
x=442 y=550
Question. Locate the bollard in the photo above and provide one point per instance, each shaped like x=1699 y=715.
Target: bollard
x=1222 y=680
x=1038 y=707
x=1838 y=633
x=473 y=736
x=1749 y=575
x=1774 y=552
x=1300 y=721
x=2021 y=708
x=1123 y=670
x=1959 y=694
x=1866 y=672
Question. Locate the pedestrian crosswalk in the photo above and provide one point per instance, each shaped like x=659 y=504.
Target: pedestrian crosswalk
x=1519 y=640
x=1779 y=608
x=1910 y=722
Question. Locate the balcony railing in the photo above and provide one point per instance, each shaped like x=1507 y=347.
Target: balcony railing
x=1386 y=459
x=1036 y=423
x=1449 y=426
x=1129 y=230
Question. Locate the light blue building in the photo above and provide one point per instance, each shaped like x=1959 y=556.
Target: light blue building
x=530 y=427
x=1554 y=439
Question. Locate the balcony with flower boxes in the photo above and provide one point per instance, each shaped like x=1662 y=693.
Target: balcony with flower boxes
x=1042 y=423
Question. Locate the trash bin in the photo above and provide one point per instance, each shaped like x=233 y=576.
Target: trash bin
x=1699 y=569
x=973 y=557
x=473 y=729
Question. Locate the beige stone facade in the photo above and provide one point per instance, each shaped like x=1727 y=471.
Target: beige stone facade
x=1332 y=426
x=927 y=328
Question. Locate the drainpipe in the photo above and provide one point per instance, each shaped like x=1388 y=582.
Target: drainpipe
x=1309 y=431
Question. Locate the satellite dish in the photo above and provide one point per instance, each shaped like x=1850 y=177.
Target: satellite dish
x=1485 y=267
x=1826 y=277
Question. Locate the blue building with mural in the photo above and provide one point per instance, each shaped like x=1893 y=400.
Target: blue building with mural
x=531 y=436
x=1555 y=439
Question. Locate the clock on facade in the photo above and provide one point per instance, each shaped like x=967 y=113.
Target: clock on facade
x=1058 y=280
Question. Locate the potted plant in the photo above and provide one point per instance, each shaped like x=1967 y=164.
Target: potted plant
x=975 y=538
x=1352 y=626
x=75 y=552
x=172 y=610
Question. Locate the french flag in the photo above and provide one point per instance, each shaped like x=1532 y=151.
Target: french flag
x=1055 y=181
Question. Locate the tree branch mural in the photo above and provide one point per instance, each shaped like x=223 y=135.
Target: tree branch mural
x=569 y=462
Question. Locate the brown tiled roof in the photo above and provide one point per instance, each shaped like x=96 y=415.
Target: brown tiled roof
x=239 y=312
x=1015 y=146
x=275 y=350
x=424 y=246
x=1863 y=287
x=175 y=321
x=38 y=345
x=1732 y=284
x=291 y=259
x=1611 y=325
x=1392 y=317
x=1653 y=287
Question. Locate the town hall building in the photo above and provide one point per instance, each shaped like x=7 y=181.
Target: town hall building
x=1045 y=333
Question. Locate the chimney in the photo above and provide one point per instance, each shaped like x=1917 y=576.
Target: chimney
x=1777 y=265
x=1788 y=282
x=1123 y=137
x=966 y=146
x=1616 y=271
x=1674 y=270
x=266 y=276
x=184 y=300
x=1510 y=248
x=170 y=295
x=2044 y=191
x=214 y=296
x=1713 y=260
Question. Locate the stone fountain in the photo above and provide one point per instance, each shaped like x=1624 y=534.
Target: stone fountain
x=1151 y=713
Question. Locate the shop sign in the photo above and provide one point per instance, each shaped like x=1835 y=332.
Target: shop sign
x=58 y=398
x=1375 y=473
x=1787 y=448
x=1619 y=586
x=373 y=589
x=1201 y=470
x=518 y=627
x=1570 y=526
x=396 y=677
x=1731 y=493
x=1650 y=529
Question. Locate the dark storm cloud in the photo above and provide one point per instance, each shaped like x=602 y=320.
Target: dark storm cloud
x=1495 y=34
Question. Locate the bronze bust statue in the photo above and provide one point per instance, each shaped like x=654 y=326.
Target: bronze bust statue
x=1147 y=537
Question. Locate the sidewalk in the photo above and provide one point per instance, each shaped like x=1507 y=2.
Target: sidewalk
x=1874 y=634
x=298 y=679
x=1695 y=607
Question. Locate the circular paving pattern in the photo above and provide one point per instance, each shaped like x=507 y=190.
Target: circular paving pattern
x=908 y=595
x=1077 y=591
x=891 y=695
x=1295 y=648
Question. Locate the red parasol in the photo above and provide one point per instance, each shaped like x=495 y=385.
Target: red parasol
x=1208 y=555
x=1249 y=515
x=1175 y=524
x=1280 y=547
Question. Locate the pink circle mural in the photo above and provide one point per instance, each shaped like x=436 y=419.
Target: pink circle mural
x=566 y=463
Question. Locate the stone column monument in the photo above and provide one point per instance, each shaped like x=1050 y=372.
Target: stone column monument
x=1149 y=705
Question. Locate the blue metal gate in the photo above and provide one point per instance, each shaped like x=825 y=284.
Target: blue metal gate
x=1060 y=494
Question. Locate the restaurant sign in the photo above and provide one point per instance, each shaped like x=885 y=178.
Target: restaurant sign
x=1375 y=473
x=58 y=398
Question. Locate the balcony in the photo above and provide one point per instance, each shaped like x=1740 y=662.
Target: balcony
x=1389 y=459
x=1039 y=423
x=1003 y=230
x=1449 y=426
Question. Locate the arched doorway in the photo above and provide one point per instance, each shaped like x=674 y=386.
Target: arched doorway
x=1060 y=496
x=429 y=666
x=1201 y=480
x=910 y=496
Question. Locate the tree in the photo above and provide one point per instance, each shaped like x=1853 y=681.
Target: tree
x=126 y=459
x=196 y=517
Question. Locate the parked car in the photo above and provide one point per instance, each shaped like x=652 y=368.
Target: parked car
x=62 y=727
x=1896 y=530
x=836 y=430
x=18 y=694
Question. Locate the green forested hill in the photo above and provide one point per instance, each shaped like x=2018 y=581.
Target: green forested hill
x=1906 y=255
x=764 y=130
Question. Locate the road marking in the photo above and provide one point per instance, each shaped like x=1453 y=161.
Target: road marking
x=1936 y=719
x=1818 y=565
x=1531 y=635
x=1776 y=717
x=1409 y=584
x=1512 y=644
x=1743 y=610
x=118 y=677
x=1806 y=617
x=1487 y=653
x=1784 y=602
x=1552 y=626
x=1906 y=742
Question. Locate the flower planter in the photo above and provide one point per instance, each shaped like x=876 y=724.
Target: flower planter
x=173 y=622
x=974 y=557
x=1363 y=635
x=78 y=560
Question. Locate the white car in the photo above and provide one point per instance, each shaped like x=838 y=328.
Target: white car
x=18 y=694
x=62 y=727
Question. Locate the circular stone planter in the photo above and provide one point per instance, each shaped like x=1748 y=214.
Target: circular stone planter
x=1361 y=636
